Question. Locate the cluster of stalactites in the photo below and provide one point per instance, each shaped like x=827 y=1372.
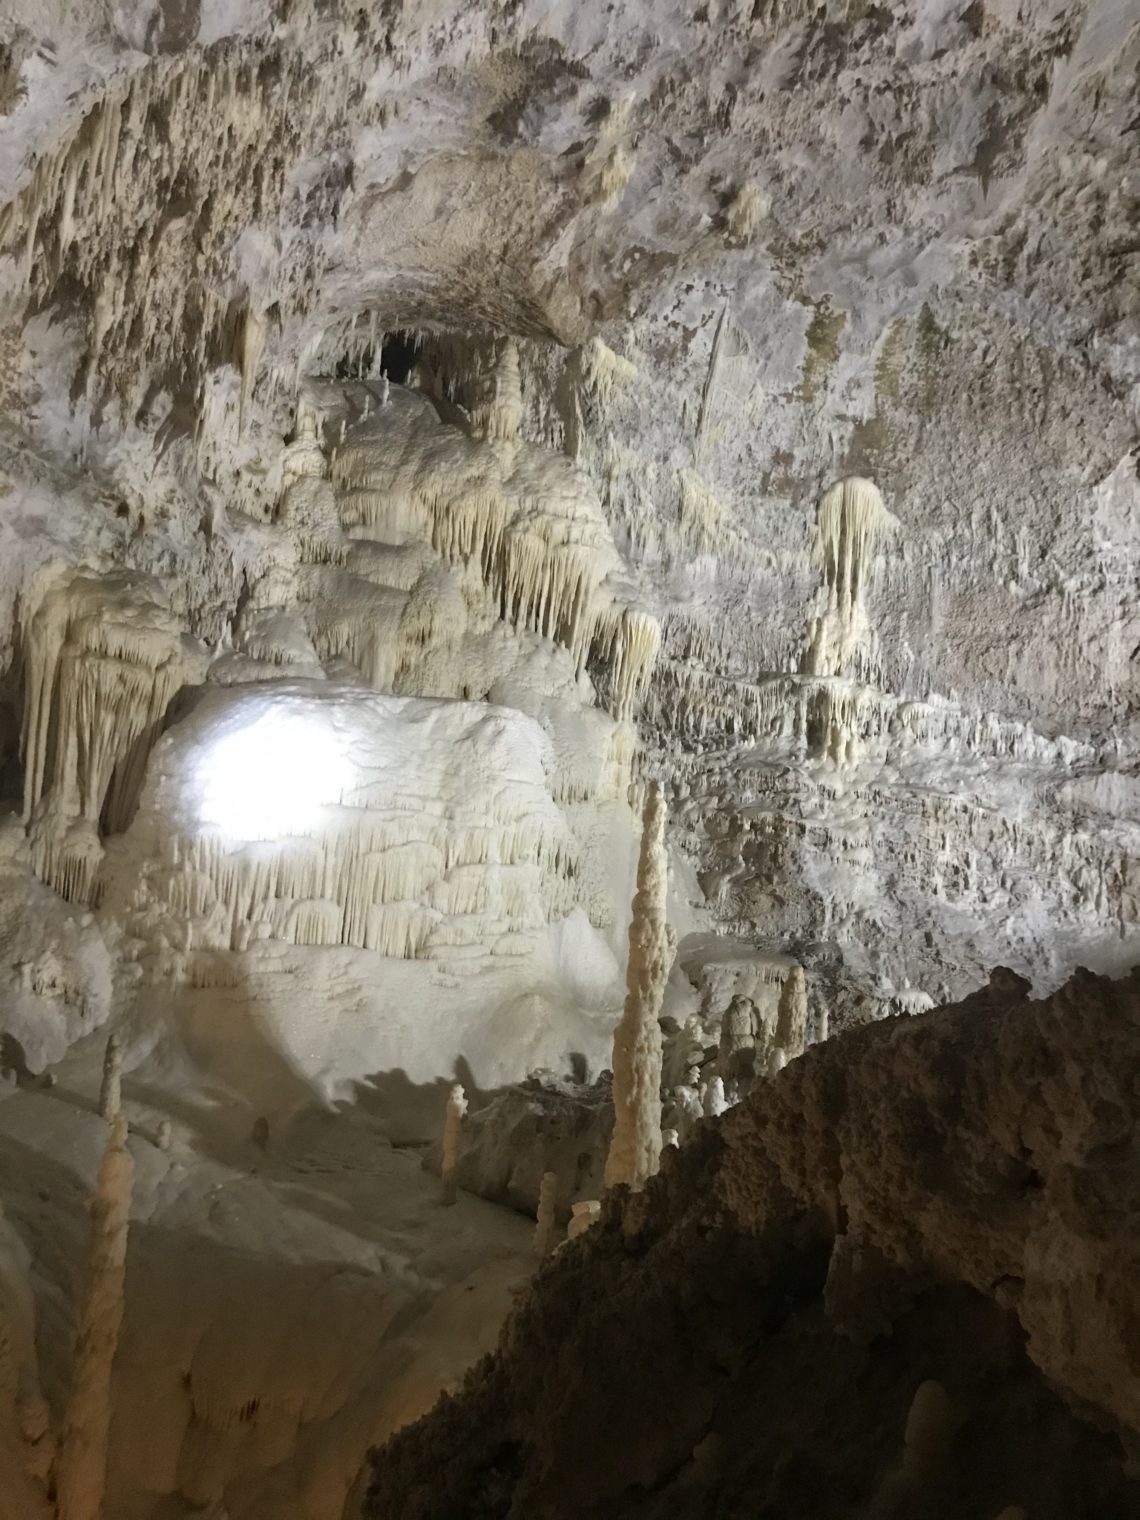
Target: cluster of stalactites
x=523 y=517
x=499 y=411
x=138 y=207
x=393 y=885
x=838 y=715
x=103 y=657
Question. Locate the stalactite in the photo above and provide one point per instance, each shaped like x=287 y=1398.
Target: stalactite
x=635 y=1150
x=83 y=1452
x=500 y=414
x=252 y=343
x=452 y=1126
x=603 y=371
x=744 y=212
x=851 y=519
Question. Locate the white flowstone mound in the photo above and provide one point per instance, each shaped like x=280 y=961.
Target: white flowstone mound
x=320 y=814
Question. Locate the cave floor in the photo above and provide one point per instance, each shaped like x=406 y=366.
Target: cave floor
x=289 y=1303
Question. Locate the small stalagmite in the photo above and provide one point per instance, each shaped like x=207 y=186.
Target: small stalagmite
x=714 y=1100
x=547 y=1223
x=736 y=1049
x=111 y=1090
x=635 y=1150
x=929 y=1430
x=584 y=1215
x=452 y=1123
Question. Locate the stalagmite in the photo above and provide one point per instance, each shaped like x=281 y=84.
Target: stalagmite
x=929 y=1431
x=715 y=1102
x=546 y=1223
x=34 y=1418
x=110 y=1092
x=736 y=1048
x=821 y=1024
x=83 y=1450
x=162 y=1135
x=791 y=1022
x=583 y=1215
x=777 y=1060
x=686 y=1108
x=635 y=1150
x=452 y=1124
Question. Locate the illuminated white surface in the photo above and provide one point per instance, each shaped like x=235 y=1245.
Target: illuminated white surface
x=271 y=778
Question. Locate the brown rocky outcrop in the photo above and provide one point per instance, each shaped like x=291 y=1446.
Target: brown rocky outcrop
x=953 y=1197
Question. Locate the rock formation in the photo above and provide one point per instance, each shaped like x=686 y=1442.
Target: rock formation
x=635 y=1149
x=960 y=1200
x=425 y=434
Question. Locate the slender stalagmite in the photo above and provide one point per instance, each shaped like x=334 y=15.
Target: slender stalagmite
x=635 y=1150
x=83 y=1452
x=111 y=1091
x=456 y=1108
x=546 y=1223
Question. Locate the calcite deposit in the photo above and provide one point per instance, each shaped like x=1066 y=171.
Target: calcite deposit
x=567 y=581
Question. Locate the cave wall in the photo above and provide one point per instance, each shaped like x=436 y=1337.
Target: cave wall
x=745 y=253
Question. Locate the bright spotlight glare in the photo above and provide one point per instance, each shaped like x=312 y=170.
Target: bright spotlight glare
x=271 y=778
